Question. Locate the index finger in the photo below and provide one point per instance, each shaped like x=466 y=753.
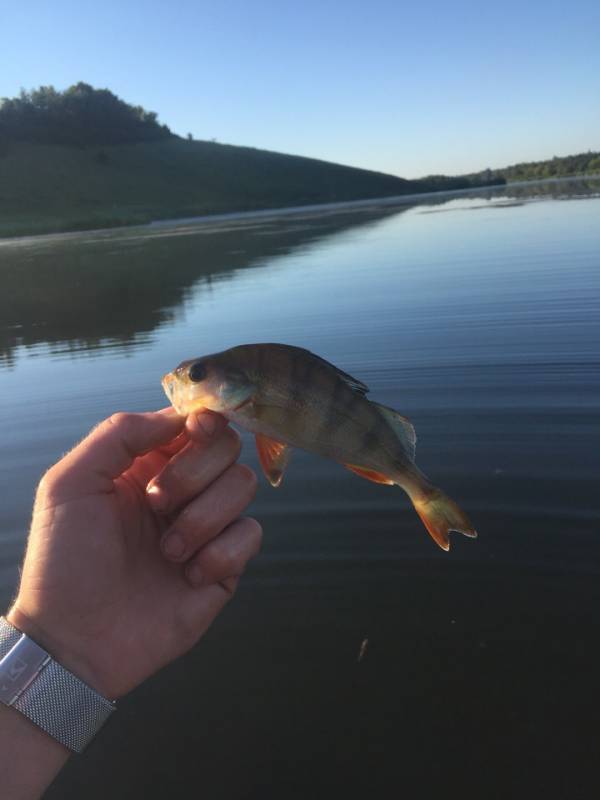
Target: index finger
x=111 y=448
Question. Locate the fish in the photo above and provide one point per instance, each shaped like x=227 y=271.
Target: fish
x=291 y=398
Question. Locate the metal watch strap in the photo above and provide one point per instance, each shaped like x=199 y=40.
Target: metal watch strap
x=48 y=694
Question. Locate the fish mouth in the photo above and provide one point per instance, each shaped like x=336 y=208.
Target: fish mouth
x=170 y=385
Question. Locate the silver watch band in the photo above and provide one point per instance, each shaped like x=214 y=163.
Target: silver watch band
x=48 y=694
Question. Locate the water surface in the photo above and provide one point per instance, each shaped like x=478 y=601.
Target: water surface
x=475 y=316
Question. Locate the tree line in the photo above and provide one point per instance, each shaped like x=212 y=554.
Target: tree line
x=81 y=115
x=557 y=167
x=449 y=183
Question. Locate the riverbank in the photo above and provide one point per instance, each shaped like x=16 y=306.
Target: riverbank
x=55 y=188
x=535 y=188
x=261 y=215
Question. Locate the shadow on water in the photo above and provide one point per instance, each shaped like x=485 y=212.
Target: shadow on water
x=84 y=291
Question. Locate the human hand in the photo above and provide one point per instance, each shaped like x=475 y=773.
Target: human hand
x=136 y=545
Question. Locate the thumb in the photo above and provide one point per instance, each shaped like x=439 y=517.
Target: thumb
x=111 y=448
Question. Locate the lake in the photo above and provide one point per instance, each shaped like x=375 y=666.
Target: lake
x=476 y=315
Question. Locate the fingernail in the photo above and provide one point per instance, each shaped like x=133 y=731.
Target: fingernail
x=169 y=411
x=173 y=545
x=208 y=423
x=194 y=574
x=157 y=497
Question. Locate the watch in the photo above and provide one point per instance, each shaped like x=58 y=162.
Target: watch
x=48 y=694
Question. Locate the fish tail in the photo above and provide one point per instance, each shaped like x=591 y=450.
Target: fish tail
x=438 y=512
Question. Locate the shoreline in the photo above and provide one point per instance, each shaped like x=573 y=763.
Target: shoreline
x=288 y=211
x=343 y=205
x=257 y=214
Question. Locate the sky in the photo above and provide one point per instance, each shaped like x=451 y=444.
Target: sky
x=406 y=88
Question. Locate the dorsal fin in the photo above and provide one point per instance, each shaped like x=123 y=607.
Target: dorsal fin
x=353 y=383
x=402 y=426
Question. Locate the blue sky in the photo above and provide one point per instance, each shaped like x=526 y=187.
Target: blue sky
x=406 y=88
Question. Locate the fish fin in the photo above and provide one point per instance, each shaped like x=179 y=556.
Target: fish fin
x=403 y=428
x=357 y=386
x=353 y=383
x=273 y=456
x=370 y=474
x=440 y=515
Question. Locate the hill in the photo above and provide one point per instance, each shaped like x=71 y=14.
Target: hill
x=83 y=158
x=54 y=188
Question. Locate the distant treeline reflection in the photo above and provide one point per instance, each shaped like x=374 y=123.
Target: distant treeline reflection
x=82 y=293
x=85 y=292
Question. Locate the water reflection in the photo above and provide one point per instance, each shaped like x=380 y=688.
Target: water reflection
x=518 y=194
x=111 y=290
x=97 y=291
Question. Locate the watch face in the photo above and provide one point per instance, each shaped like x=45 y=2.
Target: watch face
x=28 y=674
x=19 y=667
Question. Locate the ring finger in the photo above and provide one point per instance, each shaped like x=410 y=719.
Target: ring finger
x=224 y=558
x=209 y=513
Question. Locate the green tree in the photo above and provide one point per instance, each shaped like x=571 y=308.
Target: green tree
x=81 y=115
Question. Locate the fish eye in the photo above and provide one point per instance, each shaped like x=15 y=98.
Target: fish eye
x=197 y=372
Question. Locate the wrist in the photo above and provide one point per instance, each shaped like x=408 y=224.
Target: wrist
x=45 y=692
x=69 y=656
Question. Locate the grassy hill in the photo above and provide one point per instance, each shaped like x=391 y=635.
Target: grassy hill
x=84 y=158
x=53 y=188
x=50 y=187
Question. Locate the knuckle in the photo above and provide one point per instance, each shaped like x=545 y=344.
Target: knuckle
x=186 y=520
x=219 y=560
x=47 y=483
x=182 y=467
x=48 y=478
x=246 y=476
x=228 y=554
x=254 y=534
x=55 y=481
x=122 y=420
x=230 y=585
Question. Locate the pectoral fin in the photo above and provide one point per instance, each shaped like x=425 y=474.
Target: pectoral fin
x=370 y=474
x=273 y=456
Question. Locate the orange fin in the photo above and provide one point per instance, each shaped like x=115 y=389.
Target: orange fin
x=370 y=474
x=440 y=515
x=274 y=457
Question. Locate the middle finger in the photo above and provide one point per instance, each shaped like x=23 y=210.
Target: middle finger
x=190 y=471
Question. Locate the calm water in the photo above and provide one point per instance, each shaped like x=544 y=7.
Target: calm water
x=479 y=318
